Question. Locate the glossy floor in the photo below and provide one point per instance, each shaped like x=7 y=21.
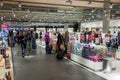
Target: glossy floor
x=38 y=66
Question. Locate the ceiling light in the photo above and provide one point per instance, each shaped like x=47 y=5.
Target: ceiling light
x=23 y=17
x=105 y=11
x=19 y=5
x=28 y=11
x=26 y=15
x=10 y=19
x=14 y=15
x=105 y=15
x=111 y=5
x=90 y=14
x=1 y=3
x=69 y=1
x=117 y=12
x=2 y=18
x=90 y=3
x=93 y=17
x=93 y=10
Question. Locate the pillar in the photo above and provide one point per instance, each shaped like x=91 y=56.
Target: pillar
x=66 y=26
x=106 y=17
x=0 y=26
x=79 y=26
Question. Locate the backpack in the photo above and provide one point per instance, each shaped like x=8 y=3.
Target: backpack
x=118 y=38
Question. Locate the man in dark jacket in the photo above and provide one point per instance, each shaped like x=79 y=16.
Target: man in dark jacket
x=86 y=35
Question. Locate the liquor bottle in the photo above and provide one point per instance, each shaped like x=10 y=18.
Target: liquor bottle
x=8 y=76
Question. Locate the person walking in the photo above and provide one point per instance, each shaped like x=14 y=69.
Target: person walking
x=66 y=40
x=23 y=40
x=60 y=47
x=40 y=36
x=47 y=40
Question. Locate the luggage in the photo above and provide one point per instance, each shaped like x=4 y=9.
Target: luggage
x=28 y=46
x=68 y=55
x=33 y=44
x=60 y=55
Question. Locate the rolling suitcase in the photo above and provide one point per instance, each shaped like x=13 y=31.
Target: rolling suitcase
x=60 y=55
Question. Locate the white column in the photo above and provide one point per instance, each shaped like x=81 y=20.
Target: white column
x=106 y=19
x=66 y=26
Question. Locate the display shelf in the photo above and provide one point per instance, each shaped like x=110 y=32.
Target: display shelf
x=118 y=55
x=8 y=51
x=2 y=69
x=96 y=66
x=6 y=68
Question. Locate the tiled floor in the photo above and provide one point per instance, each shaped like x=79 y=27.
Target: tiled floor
x=38 y=66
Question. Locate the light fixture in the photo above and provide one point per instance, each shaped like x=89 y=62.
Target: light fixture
x=1 y=3
x=28 y=11
x=23 y=17
x=10 y=19
x=19 y=5
x=90 y=3
x=14 y=15
x=111 y=5
x=69 y=1
x=105 y=15
x=104 y=11
x=2 y=18
x=26 y=15
x=90 y=13
x=93 y=10
x=93 y=17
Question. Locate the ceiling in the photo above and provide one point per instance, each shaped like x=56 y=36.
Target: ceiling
x=49 y=11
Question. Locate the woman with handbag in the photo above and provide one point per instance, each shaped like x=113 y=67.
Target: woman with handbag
x=60 y=47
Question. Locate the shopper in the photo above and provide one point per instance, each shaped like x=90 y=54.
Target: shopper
x=40 y=34
x=47 y=41
x=114 y=42
x=92 y=36
x=108 y=39
x=36 y=35
x=66 y=40
x=23 y=43
x=98 y=37
x=33 y=40
x=29 y=40
x=60 y=47
x=60 y=41
x=86 y=35
x=118 y=37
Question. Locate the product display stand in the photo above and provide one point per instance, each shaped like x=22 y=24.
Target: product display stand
x=118 y=53
x=2 y=68
x=10 y=69
x=96 y=66
x=6 y=66
x=93 y=57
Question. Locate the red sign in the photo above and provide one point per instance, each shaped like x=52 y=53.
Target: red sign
x=5 y=26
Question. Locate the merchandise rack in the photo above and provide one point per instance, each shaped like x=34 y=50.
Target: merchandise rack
x=95 y=66
x=8 y=51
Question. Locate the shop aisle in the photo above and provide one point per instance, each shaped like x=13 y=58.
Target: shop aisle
x=38 y=66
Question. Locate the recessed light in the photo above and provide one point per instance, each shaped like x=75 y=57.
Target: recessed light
x=111 y=5
x=19 y=5
x=14 y=15
x=90 y=3
x=1 y=3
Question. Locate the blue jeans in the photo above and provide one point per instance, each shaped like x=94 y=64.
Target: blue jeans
x=47 y=48
x=23 y=46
